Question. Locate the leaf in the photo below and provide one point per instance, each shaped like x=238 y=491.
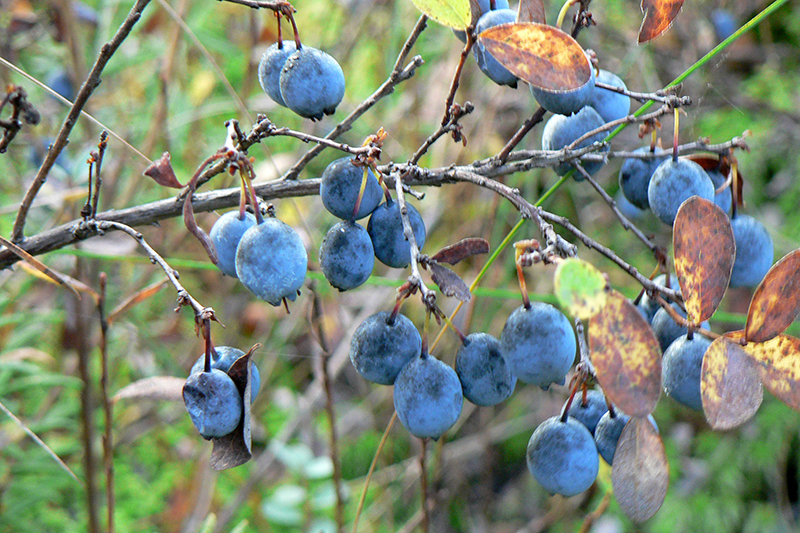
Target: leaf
x=779 y=365
x=626 y=356
x=580 y=288
x=776 y=300
x=449 y=282
x=658 y=17
x=161 y=388
x=453 y=13
x=162 y=173
x=540 y=55
x=531 y=11
x=461 y=250
x=235 y=448
x=640 y=473
x=704 y=251
x=730 y=384
x=47 y=272
x=139 y=296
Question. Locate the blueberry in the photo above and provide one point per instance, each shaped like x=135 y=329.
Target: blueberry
x=226 y=233
x=312 y=83
x=682 y=366
x=609 y=104
x=562 y=456
x=634 y=177
x=485 y=377
x=724 y=23
x=565 y=103
x=271 y=261
x=427 y=396
x=485 y=7
x=270 y=66
x=381 y=347
x=673 y=182
x=666 y=329
x=723 y=199
x=538 y=344
x=589 y=413
x=61 y=83
x=486 y=62
x=222 y=358
x=213 y=402
x=608 y=431
x=560 y=131
x=340 y=186
x=346 y=255
x=385 y=228
x=754 y=251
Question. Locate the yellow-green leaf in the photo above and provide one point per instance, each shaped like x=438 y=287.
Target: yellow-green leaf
x=580 y=288
x=453 y=13
x=540 y=55
x=626 y=356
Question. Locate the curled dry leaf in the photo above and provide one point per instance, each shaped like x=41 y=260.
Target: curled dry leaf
x=626 y=356
x=730 y=384
x=449 y=282
x=776 y=300
x=235 y=448
x=658 y=17
x=640 y=474
x=461 y=250
x=704 y=251
x=161 y=172
x=540 y=55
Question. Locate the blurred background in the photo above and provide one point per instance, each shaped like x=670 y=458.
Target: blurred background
x=165 y=90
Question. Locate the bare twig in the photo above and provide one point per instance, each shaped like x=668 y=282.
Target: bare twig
x=92 y=81
x=108 y=406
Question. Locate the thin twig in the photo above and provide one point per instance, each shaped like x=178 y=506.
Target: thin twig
x=108 y=406
x=92 y=81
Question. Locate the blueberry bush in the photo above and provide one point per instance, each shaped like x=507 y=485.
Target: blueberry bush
x=434 y=265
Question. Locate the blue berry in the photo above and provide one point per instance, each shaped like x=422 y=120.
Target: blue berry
x=650 y=306
x=673 y=182
x=271 y=261
x=634 y=177
x=381 y=347
x=485 y=377
x=589 y=413
x=339 y=188
x=486 y=61
x=666 y=329
x=385 y=228
x=565 y=103
x=269 y=69
x=427 y=397
x=609 y=104
x=681 y=370
x=562 y=456
x=538 y=344
x=213 y=402
x=312 y=83
x=346 y=255
x=226 y=233
x=723 y=199
x=222 y=358
x=754 y=251
x=560 y=131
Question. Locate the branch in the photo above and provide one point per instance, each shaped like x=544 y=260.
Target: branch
x=91 y=83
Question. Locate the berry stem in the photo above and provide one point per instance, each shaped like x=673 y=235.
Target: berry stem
x=296 y=32
x=361 y=192
x=208 y=344
x=565 y=409
x=372 y=466
x=562 y=14
x=523 y=286
x=675 y=135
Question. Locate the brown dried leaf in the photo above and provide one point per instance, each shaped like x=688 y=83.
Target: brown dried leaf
x=711 y=162
x=779 y=364
x=449 y=282
x=461 y=250
x=640 y=474
x=658 y=17
x=161 y=388
x=540 y=55
x=139 y=296
x=704 y=251
x=626 y=356
x=729 y=383
x=48 y=273
x=776 y=301
x=162 y=173
x=531 y=11
x=235 y=448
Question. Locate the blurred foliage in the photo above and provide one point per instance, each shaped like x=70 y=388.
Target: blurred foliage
x=745 y=480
